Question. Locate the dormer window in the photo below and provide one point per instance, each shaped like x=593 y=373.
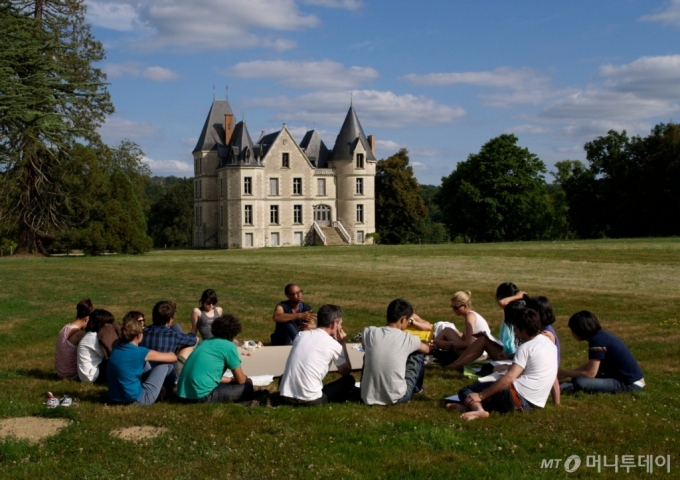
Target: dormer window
x=360 y=160
x=285 y=160
x=246 y=155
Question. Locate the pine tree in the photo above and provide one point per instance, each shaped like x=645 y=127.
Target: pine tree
x=50 y=97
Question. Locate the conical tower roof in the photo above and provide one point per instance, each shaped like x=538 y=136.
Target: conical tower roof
x=212 y=135
x=350 y=134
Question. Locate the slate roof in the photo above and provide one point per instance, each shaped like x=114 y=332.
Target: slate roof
x=212 y=135
x=240 y=148
x=267 y=141
x=350 y=134
x=315 y=149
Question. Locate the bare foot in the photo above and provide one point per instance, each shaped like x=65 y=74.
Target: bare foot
x=474 y=415
x=458 y=407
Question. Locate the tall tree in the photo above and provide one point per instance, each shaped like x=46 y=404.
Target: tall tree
x=50 y=97
x=400 y=210
x=171 y=215
x=497 y=194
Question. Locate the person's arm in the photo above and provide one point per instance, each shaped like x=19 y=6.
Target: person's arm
x=281 y=317
x=239 y=377
x=421 y=324
x=345 y=368
x=186 y=340
x=504 y=301
x=195 y=315
x=425 y=348
x=154 y=356
x=588 y=370
x=468 y=337
x=502 y=383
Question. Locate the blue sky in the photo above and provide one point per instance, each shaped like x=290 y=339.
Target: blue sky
x=440 y=78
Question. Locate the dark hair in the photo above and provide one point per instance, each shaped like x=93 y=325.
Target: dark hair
x=543 y=307
x=529 y=322
x=584 y=325
x=327 y=315
x=512 y=311
x=84 y=308
x=226 y=327
x=208 y=295
x=134 y=315
x=505 y=290
x=163 y=312
x=129 y=331
x=98 y=318
x=287 y=288
x=398 y=308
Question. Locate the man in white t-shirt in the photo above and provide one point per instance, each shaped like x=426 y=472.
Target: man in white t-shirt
x=528 y=382
x=394 y=361
x=310 y=359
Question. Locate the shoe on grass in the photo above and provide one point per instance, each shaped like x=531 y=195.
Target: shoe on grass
x=52 y=401
x=66 y=401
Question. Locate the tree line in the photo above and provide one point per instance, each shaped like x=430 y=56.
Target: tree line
x=629 y=188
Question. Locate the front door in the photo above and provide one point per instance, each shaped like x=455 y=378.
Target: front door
x=322 y=215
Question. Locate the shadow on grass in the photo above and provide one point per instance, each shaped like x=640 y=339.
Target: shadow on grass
x=32 y=373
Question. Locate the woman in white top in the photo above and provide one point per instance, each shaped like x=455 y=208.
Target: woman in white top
x=203 y=316
x=454 y=341
x=91 y=357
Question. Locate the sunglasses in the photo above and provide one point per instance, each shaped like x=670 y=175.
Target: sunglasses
x=456 y=307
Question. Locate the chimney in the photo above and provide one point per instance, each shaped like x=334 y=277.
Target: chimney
x=228 y=128
x=371 y=142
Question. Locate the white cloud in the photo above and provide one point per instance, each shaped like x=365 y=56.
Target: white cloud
x=347 y=4
x=670 y=16
x=516 y=85
x=388 y=145
x=118 y=70
x=135 y=69
x=159 y=74
x=323 y=74
x=205 y=24
x=419 y=165
x=528 y=129
x=116 y=129
x=647 y=88
x=375 y=108
x=169 y=167
x=111 y=15
x=647 y=77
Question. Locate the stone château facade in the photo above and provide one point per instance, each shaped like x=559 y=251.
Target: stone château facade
x=276 y=192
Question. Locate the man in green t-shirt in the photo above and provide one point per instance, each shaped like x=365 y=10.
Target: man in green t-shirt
x=201 y=379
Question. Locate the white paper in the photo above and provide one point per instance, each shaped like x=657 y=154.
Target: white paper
x=566 y=386
x=495 y=363
x=357 y=384
x=491 y=378
x=258 y=380
x=453 y=398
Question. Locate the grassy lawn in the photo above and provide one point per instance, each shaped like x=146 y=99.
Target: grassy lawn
x=633 y=286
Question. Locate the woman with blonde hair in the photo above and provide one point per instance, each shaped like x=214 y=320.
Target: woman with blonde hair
x=452 y=340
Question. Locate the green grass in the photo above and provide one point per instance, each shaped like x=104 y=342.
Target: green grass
x=632 y=285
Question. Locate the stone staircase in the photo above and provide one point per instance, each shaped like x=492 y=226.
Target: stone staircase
x=332 y=236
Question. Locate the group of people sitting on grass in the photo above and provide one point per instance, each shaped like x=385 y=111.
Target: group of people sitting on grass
x=142 y=363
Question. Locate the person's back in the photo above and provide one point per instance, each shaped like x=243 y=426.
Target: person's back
x=311 y=357
x=386 y=351
x=616 y=360
x=125 y=369
x=65 y=354
x=162 y=335
x=308 y=364
x=538 y=358
x=90 y=356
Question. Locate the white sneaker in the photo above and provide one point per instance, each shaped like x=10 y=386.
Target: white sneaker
x=52 y=401
x=66 y=401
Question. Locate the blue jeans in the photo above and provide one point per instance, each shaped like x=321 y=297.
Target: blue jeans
x=285 y=333
x=498 y=402
x=415 y=375
x=153 y=379
x=230 y=392
x=602 y=385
